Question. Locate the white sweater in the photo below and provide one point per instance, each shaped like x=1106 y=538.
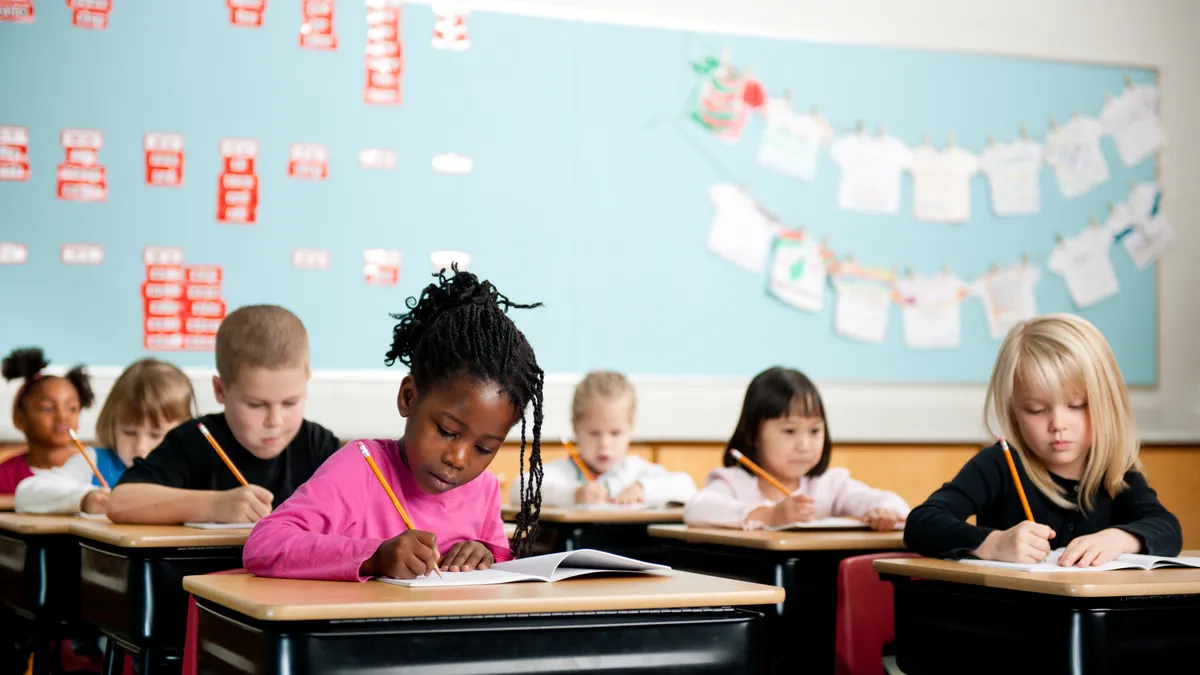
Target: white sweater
x=57 y=490
x=561 y=478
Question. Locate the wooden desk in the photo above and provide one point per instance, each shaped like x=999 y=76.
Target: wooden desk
x=675 y=622
x=949 y=614
x=616 y=530
x=6 y=502
x=801 y=629
x=39 y=583
x=131 y=584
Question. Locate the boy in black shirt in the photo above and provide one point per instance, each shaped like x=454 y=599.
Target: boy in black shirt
x=262 y=380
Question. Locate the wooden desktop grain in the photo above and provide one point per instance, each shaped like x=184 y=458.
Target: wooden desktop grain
x=1118 y=583
x=813 y=540
x=156 y=536
x=602 y=516
x=28 y=523
x=6 y=502
x=293 y=600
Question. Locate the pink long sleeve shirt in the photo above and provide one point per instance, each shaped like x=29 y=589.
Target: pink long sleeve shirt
x=340 y=516
x=731 y=493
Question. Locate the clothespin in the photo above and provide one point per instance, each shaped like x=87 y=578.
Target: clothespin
x=945 y=270
x=1093 y=223
x=1128 y=81
x=1107 y=97
x=1111 y=207
x=787 y=95
x=991 y=141
x=993 y=269
x=950 y=139
x=1058 y=237
x=1024 y=259
x=882 y=131
x=908 y=272
x=859 y=127
x=1025 y=131
x=1053 y=124
x=926 y=140
x=1075 y=114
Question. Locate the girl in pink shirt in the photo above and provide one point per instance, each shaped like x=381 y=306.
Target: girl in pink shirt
x=472 y=374
x=783 y=430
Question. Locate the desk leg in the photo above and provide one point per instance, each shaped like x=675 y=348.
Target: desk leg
x=573 y=541
x=43 y=656
x=1088 y=643
x=112 y=655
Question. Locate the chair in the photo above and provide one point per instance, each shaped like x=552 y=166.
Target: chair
x=864 y=615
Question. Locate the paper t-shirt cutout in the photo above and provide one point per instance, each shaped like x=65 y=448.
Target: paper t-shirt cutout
x=931 y=308
x=791 y=142
x=741 y=232
x=1085 y=266
x=1074 y=152
x=1132 y=121
x=862 y=309
x=942 y=184
x=871 y=170
x=1013 y=171
x=798 y=272
x=1008 y=297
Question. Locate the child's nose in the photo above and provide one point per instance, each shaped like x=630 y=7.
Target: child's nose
x=457 y=456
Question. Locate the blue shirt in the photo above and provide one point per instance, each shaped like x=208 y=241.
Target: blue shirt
x=110 y=465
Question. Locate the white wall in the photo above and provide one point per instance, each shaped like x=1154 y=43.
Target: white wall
x=1163 y=34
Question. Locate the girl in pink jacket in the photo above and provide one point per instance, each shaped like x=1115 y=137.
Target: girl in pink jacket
x=783 y=430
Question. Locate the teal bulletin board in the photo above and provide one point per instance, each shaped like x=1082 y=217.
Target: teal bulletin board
x=588 y=189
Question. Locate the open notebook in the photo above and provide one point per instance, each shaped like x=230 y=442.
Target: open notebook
x=220 y=526
x=828 y=524
x=91 y=516
x=1127 y=561
x=550 y=567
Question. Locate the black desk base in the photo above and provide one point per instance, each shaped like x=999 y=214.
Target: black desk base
x=704 y=641
x=136 y=598
x=956 y=628
x=801 y=631
x=39 y=598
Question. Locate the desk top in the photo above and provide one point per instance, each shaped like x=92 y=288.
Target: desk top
x=28 y=523
x=294 y=600
x=156 y=536
x=1118 y=583
x=6 y=502
x=814 y=540
x=602 y=516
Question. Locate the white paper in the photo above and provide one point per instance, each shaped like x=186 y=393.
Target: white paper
x=220 y=526
x=550 y=568
x=1008 y=296
x=1074 y=152
x=1125 y=561
x=823 y=524
x=741 y=232
x=942 y=184
x=1084 y=264
x=91 y=516
x=798 y=273
x=791 y=142
x=1132 y=121
x=871 y=170
x=445 y=260
x=931 y=308
x=862 y=309
x=1013 y=171
x=1147 y=242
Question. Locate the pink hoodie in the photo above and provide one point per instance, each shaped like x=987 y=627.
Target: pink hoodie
x=340 y=516
x=731 y=493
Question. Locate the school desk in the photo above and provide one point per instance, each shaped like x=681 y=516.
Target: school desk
x=954 y=616
x=131 y=584
x=615 y=530
x=802 y=627
x=39 y=580
x=6 y=502
x=673 y=622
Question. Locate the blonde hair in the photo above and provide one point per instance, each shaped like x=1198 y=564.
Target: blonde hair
x=601 y=384
x=265 y=336
x=1069 y=358
x=149 y=391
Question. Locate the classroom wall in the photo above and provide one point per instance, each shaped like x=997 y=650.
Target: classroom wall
x=1161 y=35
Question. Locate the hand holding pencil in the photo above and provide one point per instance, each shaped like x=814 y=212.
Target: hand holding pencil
x=411 y=554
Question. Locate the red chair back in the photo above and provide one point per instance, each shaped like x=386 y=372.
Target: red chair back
x=864 y=615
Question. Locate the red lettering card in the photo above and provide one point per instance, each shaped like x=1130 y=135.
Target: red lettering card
x=316 y=29
x=164 y=159
x=16 y=11
x=81 y=178
x=384 y=55
x=310 y=259
x=237 y=186
x=374 y=158
x=381 y=267
x=246 y=13
x=82 y=254
x=308 y=161
x=14 y=153
x=13 y=254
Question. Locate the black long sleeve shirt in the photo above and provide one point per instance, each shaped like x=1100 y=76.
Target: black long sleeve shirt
x=984 y=488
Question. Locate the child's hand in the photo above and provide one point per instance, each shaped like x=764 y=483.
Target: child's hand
x=95 y=501
x=1100 y=548
x=1025 y=542
x=631 y=495
x=793 y=509
x=881 y=519
x=591 y=493
x=466 y=556
x=248 y=504
x=407 y=556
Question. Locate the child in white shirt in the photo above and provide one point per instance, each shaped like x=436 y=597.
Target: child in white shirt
x=602 y=414
x=783 y=430
x=149 y=399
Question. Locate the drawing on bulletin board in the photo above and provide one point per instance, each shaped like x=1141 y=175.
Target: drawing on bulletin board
x=683 y=203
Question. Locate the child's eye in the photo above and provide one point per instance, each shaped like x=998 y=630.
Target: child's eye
x=442 y=431
x=484 y=451
x=1035 y=411
x=258 y=405
x=816 y=431
x=1078 y=406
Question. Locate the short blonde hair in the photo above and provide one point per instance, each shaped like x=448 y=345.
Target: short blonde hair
x=1068 y=357
x=149 y=391
x=601 y=384
x=263 y=336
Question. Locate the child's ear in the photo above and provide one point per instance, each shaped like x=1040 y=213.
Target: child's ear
x=18 y=419
x=218 y=390
x=407 y=396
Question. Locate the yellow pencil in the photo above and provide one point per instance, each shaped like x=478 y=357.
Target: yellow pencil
x=92 y=464
x=221 y=453
x=362 y=447
x=587 y=473
x=1012 y=467
x=758 y=470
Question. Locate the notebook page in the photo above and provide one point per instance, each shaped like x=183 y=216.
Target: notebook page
x=1126 y=561
x=473 y=578
x=91 y=516
x=823 y=524
x=220 y=526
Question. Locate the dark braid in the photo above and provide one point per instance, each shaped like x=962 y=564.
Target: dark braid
x=460 y=326
x=27 y=364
